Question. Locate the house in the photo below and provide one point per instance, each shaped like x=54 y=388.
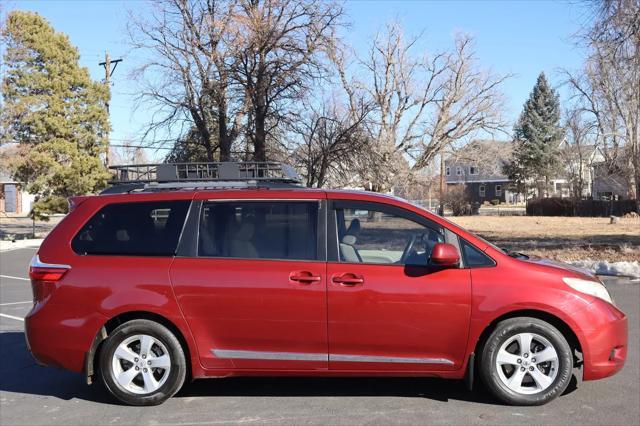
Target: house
x=13 y=199
x=586 y=165
x=585 y=173
x=577 y=178
x=478 y=166
x=609 y=180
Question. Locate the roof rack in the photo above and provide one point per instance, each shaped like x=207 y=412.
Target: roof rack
x=168 y=176
x=212 y=171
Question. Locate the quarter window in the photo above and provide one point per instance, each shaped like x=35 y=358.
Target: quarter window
x=482 y=190
x=473 y=170
x=458 y=170
x=368 y=236
x=133 y=229
x=498 y=190
x=259 y=230
x=448 y=171
x=474 y=257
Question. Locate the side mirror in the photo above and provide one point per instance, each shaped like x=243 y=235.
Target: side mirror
x=444 y=255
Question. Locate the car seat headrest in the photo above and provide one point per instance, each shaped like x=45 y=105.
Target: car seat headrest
x=349 y=239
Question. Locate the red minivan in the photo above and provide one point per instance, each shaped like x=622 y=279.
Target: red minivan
x=188 y=271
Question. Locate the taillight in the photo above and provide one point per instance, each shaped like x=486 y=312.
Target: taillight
x=44 y=277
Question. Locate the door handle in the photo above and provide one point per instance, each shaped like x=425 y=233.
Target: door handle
x=304 y=277
x=348 y=279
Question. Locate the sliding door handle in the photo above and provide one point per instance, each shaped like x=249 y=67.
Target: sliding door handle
x=348 y=279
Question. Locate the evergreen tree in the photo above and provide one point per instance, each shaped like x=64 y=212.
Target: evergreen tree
x=188 y=149
x=538 y=134
x=54 y=111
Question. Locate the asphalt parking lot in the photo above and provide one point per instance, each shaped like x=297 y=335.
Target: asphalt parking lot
x=30 y=394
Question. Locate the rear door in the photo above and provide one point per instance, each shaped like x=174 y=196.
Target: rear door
x=387 y=309
x=252 y=283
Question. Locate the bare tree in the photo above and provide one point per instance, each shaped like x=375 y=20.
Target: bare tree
x=329 y=138
x=578 y=150
x=279 y=47
x=186 y=77
x=422 y=104
x=129 y=153
x=608 y=86
x=469 y=101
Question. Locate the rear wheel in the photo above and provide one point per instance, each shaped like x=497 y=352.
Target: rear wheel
x=526 y=361
x=142 y=363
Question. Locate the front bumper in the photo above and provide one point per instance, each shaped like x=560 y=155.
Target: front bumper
x=604 y=340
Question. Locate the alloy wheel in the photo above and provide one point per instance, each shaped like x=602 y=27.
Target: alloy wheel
x=141 y=364
x=527 y=363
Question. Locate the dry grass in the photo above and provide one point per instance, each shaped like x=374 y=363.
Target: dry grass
x=561 y=238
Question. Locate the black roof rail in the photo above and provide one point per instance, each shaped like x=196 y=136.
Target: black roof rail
x=204 y=175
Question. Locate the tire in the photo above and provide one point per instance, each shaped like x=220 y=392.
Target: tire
x=127 y=361
x=543 y=378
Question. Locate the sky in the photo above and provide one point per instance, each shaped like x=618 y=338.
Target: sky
x=518 y=37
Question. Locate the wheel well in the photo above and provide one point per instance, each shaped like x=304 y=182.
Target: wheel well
x=115 y=322
x=562 y=326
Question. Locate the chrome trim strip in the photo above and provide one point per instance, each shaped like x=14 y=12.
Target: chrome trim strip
x=36 y=263
x=302 y=356
x=261 y=200
x=388 y=359
x=282 y=356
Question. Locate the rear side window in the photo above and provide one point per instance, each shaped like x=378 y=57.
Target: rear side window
x=259 y=230
x=133 y=229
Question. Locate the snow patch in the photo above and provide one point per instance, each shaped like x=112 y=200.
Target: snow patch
x=627 y=269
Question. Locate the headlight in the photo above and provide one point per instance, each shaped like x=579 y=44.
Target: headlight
x=593 y=288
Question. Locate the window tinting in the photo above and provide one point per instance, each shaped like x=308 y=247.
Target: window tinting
x=259 y=230
x=368 y=236
x=474 y=257
x=134 y=229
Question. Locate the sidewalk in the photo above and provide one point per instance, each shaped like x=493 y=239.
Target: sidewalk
x=20 y=244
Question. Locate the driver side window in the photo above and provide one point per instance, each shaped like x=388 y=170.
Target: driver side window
x=369 y=236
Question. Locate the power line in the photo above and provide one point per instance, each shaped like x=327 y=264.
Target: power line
x=138 y=146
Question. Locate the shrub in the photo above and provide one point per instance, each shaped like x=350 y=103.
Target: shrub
x=457 y=200
x=495 y=202
x=585 y=208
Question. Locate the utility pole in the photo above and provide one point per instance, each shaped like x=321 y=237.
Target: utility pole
x=442 y=185
x=108 y=72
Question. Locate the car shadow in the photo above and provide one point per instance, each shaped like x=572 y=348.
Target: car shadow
x=23 y=375
x=19 y=373
x=408 y=387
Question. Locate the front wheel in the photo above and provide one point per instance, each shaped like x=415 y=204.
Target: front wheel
x=526 y=361
x=142 y=363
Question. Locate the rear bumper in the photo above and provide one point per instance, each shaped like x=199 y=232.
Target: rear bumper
x=605 y=341
x=60 y=335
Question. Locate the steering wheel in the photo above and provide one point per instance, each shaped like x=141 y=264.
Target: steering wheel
x=409 y=248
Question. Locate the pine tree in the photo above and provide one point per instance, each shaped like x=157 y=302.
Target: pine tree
x=54 y=111
x=538 y=135
x=188 y=149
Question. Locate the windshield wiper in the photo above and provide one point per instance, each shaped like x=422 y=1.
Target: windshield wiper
x=517 y=255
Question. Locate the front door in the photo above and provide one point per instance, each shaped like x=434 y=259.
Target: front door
x=254 y=292
x=387 y=309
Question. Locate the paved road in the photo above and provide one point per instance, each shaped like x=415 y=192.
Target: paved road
x=30 y=394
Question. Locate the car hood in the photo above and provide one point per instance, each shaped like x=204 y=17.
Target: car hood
x=562 y=266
